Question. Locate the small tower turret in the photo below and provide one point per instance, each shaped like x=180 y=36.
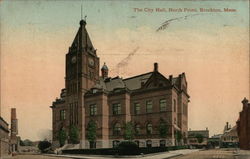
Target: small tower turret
x=105 y=71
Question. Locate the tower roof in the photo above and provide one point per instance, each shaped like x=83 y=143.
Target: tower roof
x=82 y=39
x=105 y=67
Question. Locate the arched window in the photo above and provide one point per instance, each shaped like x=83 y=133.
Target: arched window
x=163 y=128
x=115 y=143
x=92 y=144
x=149 y=143
x=149 y=128
x=137 y=129
x=162 y=143
x=137 y=142
x=117 y=129
x=174 y=105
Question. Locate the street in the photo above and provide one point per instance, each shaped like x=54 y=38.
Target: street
x=35 y=157
x=217 y=154
x=180 y=154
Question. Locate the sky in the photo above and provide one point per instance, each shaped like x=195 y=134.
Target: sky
x=212 y=48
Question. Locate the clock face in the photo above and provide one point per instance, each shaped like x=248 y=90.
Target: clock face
x=91 y=62
x=73 y=59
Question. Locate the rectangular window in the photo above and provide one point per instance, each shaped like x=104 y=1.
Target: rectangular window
x=137 y=108
x=71 y=113
x=93 y=109
x=116 y=108
x=184 y=109
x=149 y=106
x=163 y=105
x=62 y=114
x=174 y=105
x=76 y=112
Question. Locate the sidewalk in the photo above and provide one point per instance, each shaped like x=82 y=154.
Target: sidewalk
x=242 y=154
x=161 y=155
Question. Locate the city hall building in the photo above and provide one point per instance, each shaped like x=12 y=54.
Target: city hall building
x=147 y=100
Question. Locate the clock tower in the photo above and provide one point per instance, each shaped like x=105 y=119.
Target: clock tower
x=82 y=73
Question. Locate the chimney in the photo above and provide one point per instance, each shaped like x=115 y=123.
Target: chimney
x=14 y=124
x=170 y=78
x=13 y=113
x=155 y=67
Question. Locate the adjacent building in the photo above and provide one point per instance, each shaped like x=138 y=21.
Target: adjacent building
x=14 y=139
x=243 y=125
x=4 y=138
x=148 y=100
x=215 y=141
x=198 y=138
x=9 y=141
x=229 y=137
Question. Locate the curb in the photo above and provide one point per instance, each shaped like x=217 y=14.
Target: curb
x=82 y=157
x=173 y=156
x=113 y=156
x=65 y=156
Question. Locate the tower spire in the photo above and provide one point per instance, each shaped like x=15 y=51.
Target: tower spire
x=81 y=11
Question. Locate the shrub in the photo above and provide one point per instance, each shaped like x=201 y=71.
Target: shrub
x=171 y=148
x=163 y=129
x=101 y=151
x=74 y=135
x=148 y=150
x=129 y=131
x=22 y=143
x=91 y=131
x=128 y=148
x=44 y=146
x=62 y=136
x=178 y=136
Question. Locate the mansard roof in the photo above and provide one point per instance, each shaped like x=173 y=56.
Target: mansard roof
x=135 y=82
x=147 y=81
x=82 y=39
x=129 y=84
